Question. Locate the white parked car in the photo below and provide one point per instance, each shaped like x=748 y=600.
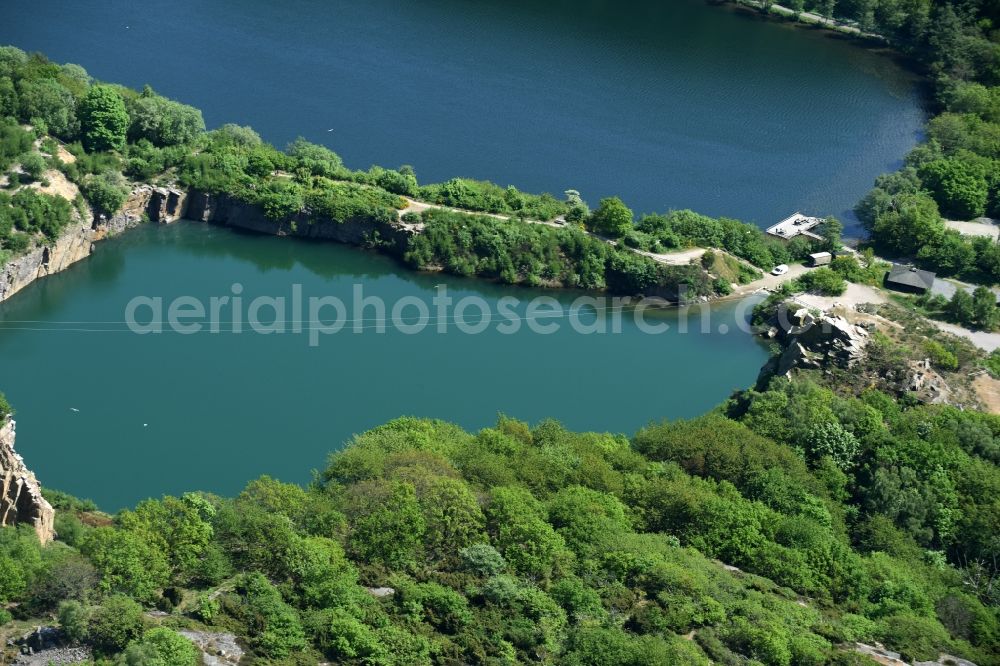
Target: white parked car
x=780 y=269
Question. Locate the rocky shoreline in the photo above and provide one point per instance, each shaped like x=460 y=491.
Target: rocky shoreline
x=164 y=205
x=21 y=500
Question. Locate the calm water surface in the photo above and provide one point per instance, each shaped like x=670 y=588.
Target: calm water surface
x=170 y=412
x=671 y=104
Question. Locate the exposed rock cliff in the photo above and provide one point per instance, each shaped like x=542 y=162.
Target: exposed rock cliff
x=21 y=498
x=158 y=204
x=162 y=204
x=72 y=246
x=817 y=342
x=366 y=231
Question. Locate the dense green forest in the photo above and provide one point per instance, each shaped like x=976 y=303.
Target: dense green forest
x=849 y=518
x=795 y=519
x=955 y=174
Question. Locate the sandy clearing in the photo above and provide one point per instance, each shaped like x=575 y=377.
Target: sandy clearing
x=853 y=296
x=679 y=258
x=988 y=391
x=66 y=156
x=975 y=228
x=58 y=184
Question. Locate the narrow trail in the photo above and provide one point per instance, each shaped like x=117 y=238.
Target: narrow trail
x=678 y=258
x=682 y=257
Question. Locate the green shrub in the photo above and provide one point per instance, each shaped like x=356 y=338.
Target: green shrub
x=940 y=356
x=161 y=647
x=5 y=408
x=115 y=623
x=823 y=281
x=74 y=620
x=106 y=192
x=33 y=165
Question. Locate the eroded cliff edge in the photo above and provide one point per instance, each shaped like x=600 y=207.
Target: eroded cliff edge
x=157 y=204
x=21 y=500
x=161 y=204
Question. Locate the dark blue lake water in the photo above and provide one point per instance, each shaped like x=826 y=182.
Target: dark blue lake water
x=671 y=104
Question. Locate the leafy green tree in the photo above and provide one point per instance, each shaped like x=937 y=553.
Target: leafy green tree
x=959 y=187
x=319 y=160
x=452 y=517
x=831 y=231
x=161 y=647
x=67 y=576
x=598 y=646
x=824 y=281
x=582 y=603
x=107 y=192
x=586 y=518
x=917 y=638
x=984 y=308
x=128 y=563
x=14 y=141
x=612 y=217
x=116 y=623
x=74 y=619
x=5 y=408
x=178 y=527
x=236 y=136
x=909 y=225
x=949 y=253
x=46 y=102
x=12 y=59
x=832 y=440
x=961 y=307
x=345 y=639
x=103 y=119
x=162 y=121
x=388 y=525
x=940 y=356
x=33 y=165
x=529 y=543
x=483 y=560
x=321 y=573
x=882 y=198
x=273 y=626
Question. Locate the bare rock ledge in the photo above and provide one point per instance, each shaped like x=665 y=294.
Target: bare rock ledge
x=21 y=500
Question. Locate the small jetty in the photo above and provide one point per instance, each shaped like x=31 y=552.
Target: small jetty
x=794 y=225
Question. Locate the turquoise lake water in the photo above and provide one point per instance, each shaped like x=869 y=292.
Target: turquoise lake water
x=669 y=104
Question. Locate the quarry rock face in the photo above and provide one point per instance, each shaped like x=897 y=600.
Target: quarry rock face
x=819 y=342
x=76 y=242
x=21 y=500
x=223 y=209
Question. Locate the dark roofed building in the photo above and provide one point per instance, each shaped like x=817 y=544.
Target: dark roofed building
x=909 y=279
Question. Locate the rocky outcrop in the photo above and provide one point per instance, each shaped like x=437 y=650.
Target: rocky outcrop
x=158 y=204
x=392 y=236
x=929 y=386
x=21 y=500
x=217 y=649
x=44 y=646
x=817 y=342
x=75 y=244
x=164 y=204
